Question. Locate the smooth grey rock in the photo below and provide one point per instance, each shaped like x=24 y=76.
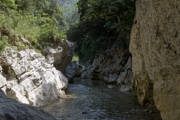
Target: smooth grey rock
x=12 y=110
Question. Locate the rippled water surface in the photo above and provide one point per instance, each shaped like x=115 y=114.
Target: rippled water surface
x=90 y=100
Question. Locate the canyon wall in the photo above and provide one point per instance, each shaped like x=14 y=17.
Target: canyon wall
x=155 y=48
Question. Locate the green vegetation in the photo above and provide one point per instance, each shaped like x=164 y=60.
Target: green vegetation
x=103 y=23
x=39 y=21
x=75 y=58
x=3 y=42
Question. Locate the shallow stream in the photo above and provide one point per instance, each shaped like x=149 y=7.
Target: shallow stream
x=93 y=100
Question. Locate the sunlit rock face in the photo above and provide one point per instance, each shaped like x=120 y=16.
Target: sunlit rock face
x=12 y=110
x=28 y=77
x=155 y=48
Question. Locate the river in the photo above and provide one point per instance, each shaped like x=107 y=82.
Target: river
x=94 y=100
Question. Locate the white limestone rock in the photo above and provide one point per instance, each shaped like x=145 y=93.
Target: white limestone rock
x=36 y=81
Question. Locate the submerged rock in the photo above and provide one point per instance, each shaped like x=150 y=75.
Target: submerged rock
x=12 y=110
x=29 y=78
x=155 y=47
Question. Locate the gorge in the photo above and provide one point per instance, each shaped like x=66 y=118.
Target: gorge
x=127 y=64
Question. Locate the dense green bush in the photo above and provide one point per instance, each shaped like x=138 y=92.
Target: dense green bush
x=3 y=42
x=40 y=21
x=102 y=24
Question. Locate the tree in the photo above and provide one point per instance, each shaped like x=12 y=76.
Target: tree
x=102 y=23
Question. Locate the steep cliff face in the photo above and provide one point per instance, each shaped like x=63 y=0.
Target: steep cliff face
x=155 y=41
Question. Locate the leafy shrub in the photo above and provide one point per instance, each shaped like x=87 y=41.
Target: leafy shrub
x=38 y=21
x=3 y=42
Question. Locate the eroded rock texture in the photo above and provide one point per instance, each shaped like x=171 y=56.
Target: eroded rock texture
x=28 y=77
x=61 y=55
x=113 y=67
x=155 y=48
x=12 y=110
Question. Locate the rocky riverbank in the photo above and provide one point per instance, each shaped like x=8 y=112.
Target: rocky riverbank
x=30 y=77
x=113 y=67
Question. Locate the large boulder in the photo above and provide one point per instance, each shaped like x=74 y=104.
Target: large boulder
x=29 y=78
x=12 y=110
x=155 y=47
x=61 y=55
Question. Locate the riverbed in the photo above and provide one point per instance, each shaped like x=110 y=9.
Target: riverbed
x=94 y=100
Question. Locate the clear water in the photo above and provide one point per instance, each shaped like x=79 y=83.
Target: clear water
x=93 y=100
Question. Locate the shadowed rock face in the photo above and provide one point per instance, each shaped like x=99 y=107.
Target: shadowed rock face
x=114 y=67
x=155 y=42
x=60 y=56
x=12 y=110
x=74 y=69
